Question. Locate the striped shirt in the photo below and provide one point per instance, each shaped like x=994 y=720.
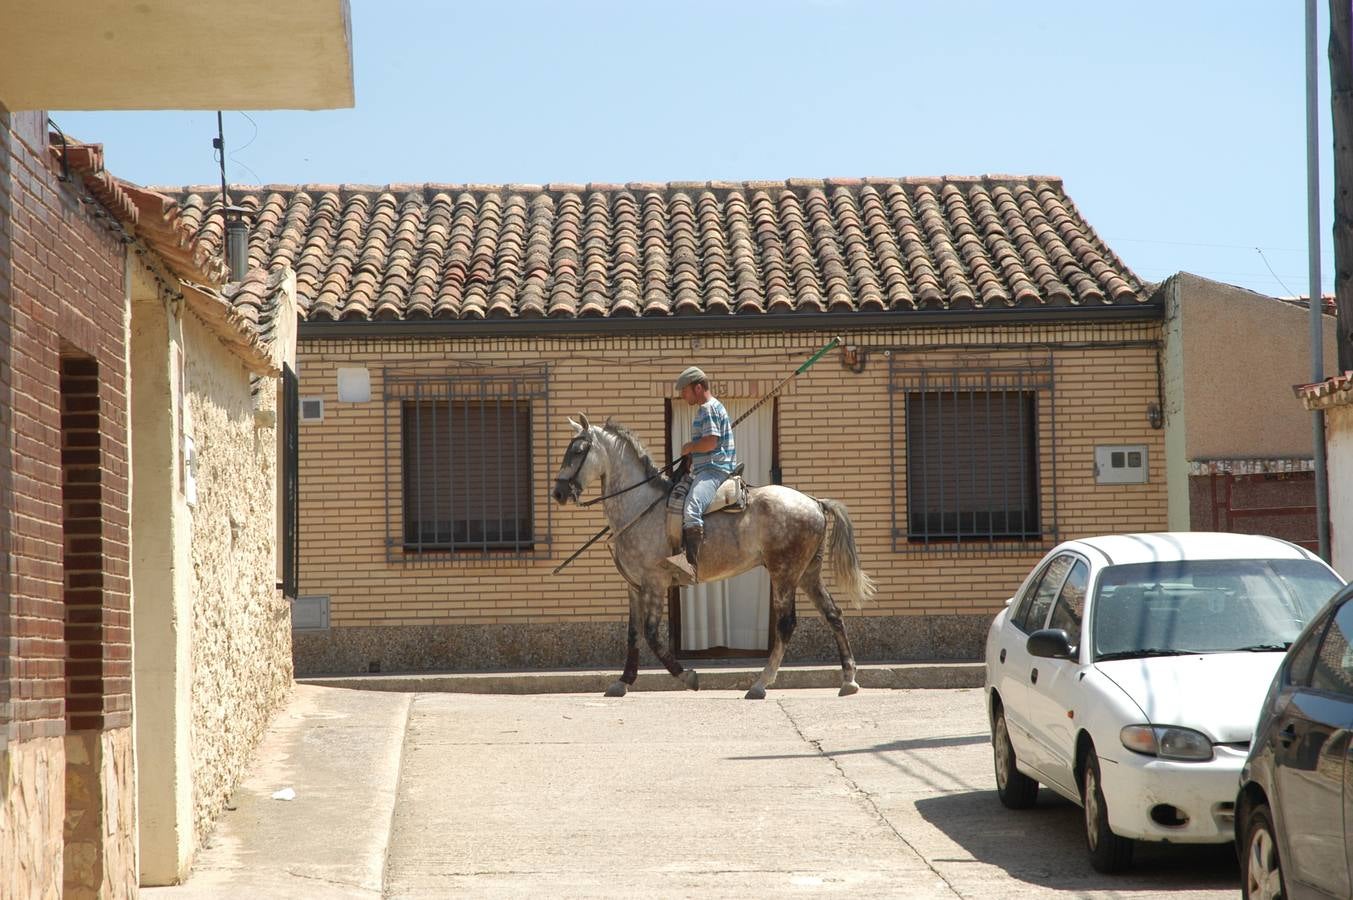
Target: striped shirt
x=712 y=419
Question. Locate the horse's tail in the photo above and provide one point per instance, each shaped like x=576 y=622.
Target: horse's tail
x=845 y=558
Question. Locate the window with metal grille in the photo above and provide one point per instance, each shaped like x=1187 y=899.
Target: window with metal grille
x=466 y=474
x=971 y=456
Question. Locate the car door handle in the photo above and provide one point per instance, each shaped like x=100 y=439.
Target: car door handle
x=1002 y=654
x=1033 y=676
x=1287 y=736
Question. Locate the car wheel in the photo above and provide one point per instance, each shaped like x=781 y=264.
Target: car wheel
x=1016 y=790
x=1109 y=853
x=1262 y=877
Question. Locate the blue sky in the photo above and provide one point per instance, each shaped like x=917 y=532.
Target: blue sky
x=1178 y=127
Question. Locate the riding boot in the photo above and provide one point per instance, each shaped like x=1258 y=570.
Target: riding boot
x=691 y=538
x=683 y=563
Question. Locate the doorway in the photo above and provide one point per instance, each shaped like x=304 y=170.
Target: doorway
x=730 y=617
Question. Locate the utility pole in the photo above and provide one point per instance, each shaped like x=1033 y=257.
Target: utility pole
x=1341 y=103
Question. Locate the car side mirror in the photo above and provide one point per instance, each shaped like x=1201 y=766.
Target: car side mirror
x=1051 y=643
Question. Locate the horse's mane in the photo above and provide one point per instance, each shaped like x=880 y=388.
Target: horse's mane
x=631 y=440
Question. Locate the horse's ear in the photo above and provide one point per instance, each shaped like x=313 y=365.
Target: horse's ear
x=582 y=417
x=577 y=429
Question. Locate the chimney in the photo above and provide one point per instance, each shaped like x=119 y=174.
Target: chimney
x=237 y=241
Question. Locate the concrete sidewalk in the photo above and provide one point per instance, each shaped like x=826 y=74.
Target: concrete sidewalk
x=715 y=675
x=339 y=744
x=340 y=752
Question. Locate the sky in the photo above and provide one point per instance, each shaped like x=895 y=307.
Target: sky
x=1178 y=127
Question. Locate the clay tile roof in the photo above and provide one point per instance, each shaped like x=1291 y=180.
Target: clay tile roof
x=174 y=232
x=518 y=251
x=1337 y=390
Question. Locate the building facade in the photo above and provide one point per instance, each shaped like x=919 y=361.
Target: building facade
x=995 y=350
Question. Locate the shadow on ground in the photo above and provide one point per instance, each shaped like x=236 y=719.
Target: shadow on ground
x=1045 y=846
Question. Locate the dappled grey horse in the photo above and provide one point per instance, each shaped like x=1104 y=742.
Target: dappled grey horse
x=781 y=529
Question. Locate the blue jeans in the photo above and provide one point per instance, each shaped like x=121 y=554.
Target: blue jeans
x=703 y=486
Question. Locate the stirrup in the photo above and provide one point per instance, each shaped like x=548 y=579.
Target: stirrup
x=681 y=567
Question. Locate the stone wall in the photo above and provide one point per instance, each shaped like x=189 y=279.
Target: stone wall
x=100 y=845
x=241 y=639
x=32 y=804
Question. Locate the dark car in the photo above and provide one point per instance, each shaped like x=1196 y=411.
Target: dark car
x=1294 y=812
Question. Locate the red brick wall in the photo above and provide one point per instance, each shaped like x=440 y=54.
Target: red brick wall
x=1280 y=505
x=62 y=285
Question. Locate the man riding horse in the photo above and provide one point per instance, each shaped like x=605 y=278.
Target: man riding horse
x=711 y=453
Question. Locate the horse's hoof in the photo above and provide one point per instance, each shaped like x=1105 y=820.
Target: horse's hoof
x=755 y=692
x=619 y=689
x=691 y=679
x=848 y=688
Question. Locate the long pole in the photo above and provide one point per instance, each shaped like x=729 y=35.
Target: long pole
x=1322 y=519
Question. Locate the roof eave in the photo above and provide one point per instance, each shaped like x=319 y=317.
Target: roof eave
x=699 y=324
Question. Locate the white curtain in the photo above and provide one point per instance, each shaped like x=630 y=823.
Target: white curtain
x=735 y=612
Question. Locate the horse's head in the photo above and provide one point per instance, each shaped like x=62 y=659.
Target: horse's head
x=580 y=464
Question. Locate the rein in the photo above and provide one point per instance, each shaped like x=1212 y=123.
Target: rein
x=663 y=471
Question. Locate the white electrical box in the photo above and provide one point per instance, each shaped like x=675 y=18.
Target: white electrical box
x=1121 y=464
x=310 y=613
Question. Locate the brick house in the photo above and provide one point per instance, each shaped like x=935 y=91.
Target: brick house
x=996 y=348
x=1238 y=460
x=123 y=357
x=142 y=511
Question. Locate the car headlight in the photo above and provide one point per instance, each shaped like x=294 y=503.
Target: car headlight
x=1167 y=742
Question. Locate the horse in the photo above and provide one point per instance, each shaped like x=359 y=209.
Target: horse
x=781 y=529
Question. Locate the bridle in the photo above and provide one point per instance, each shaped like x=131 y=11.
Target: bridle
x=578 y=449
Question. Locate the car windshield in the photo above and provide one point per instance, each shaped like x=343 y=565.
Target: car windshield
x=1206 y=606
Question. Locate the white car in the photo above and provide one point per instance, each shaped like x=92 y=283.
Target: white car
x=1144 y=716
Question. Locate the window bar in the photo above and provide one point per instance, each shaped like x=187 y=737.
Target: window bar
x=1005 y=446
x=954 y=379
x=498 y=430
x=991 y=487
x=531 y=482
x=436 y=482
x=1052 y=424
x=892 y=449
x=385 y=418
x=451 y=543
x=972 y=461
x=418 y=463
x=1023 y=480
x=483 y=472
x=925 y=462
x=516 y=482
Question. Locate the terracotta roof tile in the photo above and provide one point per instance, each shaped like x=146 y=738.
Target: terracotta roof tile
x=175 y=233
x=682 y=248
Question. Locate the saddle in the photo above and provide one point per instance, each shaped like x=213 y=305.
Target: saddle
x=731 y=497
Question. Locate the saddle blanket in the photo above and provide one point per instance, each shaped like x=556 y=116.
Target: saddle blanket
x=730 y=497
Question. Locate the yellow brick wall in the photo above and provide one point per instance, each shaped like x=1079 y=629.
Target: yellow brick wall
x=834 y=442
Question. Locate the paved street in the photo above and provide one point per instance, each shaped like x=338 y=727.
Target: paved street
x=885 y=794
x=888 y=793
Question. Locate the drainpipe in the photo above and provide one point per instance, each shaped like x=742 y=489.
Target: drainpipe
x=1322 y=517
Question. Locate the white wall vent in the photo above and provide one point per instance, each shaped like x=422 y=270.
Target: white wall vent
x=1121 y=464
